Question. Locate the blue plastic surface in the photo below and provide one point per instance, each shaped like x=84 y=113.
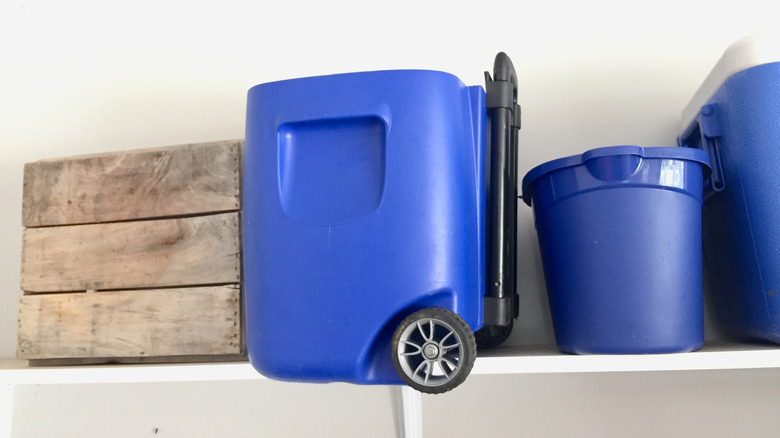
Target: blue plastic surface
x=741 y=232
x=619 y=231
x=364 y=200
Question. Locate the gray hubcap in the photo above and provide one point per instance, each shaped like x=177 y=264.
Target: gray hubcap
x=429 y=352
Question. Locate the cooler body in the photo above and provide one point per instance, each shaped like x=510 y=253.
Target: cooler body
x=364 y=201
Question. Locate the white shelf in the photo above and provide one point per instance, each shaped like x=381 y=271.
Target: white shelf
x=16 y=372
x=508 y=360
x=513 y=360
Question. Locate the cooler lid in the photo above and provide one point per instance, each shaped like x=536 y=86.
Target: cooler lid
x=750 y=51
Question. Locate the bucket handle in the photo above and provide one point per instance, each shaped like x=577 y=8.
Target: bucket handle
x=704 y=133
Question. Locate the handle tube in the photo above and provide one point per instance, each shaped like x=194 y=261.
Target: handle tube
x=504 y=118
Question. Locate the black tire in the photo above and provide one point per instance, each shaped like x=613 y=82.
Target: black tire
x=433 y=350
x=491 y=336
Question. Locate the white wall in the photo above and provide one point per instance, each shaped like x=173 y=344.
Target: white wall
x=255 y=408
x=93 y=76
x=712 y=404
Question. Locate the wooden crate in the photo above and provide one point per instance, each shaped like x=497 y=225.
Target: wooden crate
x=133 y=256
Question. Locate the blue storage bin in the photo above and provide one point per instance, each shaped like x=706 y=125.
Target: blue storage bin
x=619 y=231
x=364 y=200
x=734 y=116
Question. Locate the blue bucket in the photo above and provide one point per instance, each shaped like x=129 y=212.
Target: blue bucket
x=619 y=232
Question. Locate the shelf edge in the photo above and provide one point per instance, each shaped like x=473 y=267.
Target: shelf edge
x=17 y=372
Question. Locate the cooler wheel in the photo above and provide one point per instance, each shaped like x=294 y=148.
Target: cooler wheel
x=434 y=350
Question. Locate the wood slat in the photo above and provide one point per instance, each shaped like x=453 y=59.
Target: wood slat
x=200 y=250
x=138 y=360
x=156 y=322
x=151 y=183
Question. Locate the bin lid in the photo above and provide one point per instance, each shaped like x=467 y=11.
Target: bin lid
x=753 y=50
x=669 y=153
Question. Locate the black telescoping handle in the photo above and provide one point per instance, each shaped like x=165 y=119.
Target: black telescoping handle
x=501 y=304
x=501 y=89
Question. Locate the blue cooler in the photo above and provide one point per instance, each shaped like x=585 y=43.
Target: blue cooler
x=364 y=200
x=369 y=199
x=619 y=232
x=735 y=117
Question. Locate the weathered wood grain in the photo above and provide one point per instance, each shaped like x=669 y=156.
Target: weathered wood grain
x=151 y=183
x=138 y=323
x=145 y=360
x=189 y=251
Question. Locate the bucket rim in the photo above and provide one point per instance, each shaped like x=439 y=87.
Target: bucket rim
x=656 y=152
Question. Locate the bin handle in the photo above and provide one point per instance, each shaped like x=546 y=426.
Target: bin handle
x=704 y=133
